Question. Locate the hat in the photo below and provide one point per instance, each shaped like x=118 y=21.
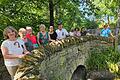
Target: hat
x=59 y=22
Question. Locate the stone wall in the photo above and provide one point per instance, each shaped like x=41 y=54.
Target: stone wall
x=58 y=60
x=61 y=65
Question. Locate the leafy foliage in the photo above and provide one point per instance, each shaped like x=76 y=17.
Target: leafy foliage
x=72 y=13
x=21 y=13
x=102 y=59
x=105 y=8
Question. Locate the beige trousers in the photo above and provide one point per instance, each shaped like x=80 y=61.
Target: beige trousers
x=12 y=70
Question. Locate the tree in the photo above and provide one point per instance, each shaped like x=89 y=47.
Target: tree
x=51 y=9
x=105 y=7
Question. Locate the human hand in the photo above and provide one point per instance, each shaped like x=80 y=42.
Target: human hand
x=52 y=40
x=114 y=37
x=27 y=52
x=21 y=55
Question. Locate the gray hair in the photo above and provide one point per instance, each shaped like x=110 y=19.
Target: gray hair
x=28 y=27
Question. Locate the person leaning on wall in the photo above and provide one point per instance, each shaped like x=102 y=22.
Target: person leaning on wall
x=12 y=50
x=61 y=32
x=31 y=37
x=28 y=42
x=43 y=36
x=106 y=32
x=52 y=33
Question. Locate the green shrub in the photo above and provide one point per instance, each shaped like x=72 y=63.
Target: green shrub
x=100 y=57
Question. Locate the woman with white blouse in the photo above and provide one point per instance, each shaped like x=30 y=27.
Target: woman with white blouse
x=12 y=49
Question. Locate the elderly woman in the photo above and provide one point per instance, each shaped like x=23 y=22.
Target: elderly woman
x=43 y=36
x=12 y=50
x=31 y=36
x=28 y=42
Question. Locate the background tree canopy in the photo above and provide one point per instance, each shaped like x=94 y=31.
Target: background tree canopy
x=72 y=13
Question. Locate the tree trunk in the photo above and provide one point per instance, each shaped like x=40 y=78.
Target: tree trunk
x=108 y=18
x=51 y=9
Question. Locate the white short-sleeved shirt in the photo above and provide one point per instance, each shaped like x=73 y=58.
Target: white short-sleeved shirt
x=14 y=47
x=61 y=33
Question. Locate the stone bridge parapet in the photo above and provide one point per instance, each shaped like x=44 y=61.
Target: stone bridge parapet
x=58 y=60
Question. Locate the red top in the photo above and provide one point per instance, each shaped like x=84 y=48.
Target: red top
x=32 y=38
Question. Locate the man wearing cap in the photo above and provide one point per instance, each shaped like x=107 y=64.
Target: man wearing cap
x=61 y=32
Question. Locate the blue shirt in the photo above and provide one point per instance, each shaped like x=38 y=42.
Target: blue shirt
x=105 y=32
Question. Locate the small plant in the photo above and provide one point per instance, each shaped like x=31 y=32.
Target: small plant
x=113 y=67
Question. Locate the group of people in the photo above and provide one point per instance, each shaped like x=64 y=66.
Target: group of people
x=18 y=44
x=44 y=37
x=14 y=48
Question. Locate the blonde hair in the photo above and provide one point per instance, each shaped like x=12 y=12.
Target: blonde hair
x=42 y=26
x=22 y=29
x=5 y=32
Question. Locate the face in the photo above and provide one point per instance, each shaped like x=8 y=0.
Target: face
x=51 y=28
x=60 y=27
x=76 y=29
x=29 y=31
x=22 y=34
x=83 y=29
x=42 y=29
x=11 y=33
x=105 y=26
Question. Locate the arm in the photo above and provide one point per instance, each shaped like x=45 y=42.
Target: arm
x=111 y=35
x=38 y=38
x=49 y=37
x=56 y=35
x=66 y=32
x=25 y=50
x=6 y=54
